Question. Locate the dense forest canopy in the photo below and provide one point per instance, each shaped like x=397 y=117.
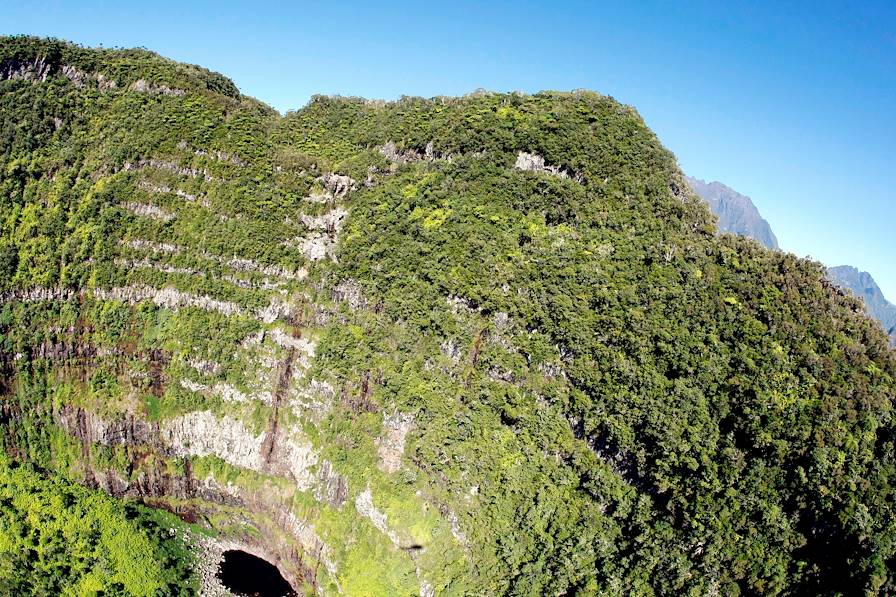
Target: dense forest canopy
x=60 y=538
x=479 y=345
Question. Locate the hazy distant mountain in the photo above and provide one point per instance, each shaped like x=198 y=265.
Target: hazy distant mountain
x=864 y=286
x=736 y=212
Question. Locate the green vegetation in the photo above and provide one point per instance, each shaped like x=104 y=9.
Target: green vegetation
x=602 y=395
x=58 y=538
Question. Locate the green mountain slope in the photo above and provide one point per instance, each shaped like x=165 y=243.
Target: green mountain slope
x=480 y=345
x=864 y=287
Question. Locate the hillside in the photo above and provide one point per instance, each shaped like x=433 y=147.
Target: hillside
x=736 y=212
x=864 y=287
x=481 y=345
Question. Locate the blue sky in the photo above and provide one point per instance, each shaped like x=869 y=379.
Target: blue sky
x=793 y=104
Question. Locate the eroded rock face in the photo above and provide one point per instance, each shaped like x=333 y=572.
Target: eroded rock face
x=338 y=185
x=317 y=247
x=451 y=349
x=390 y=446
x=163 y=189
x=324 y=197
x=366 y=508
x=39 y=70
x=215 y=154
x=225 y=392
x=143 y=86
x=295 y=458
x=147 y=210
x=331 y=487
x=205 y=367
x=168 y=297
x=313 y=401
x=159 y=267
x=322 y=237
x=39 y=293
x=90 y=428
x=309 y=540
x=169 y=166
x=35 y=70
x=397 y=156
x=140 y=244
x=331 y=221
x=532 y=162
x=201 y=433
x=350 y=293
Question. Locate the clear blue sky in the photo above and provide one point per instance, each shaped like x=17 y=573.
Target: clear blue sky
x=793 y=104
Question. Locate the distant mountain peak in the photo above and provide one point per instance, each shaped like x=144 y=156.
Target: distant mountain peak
x=737 y=213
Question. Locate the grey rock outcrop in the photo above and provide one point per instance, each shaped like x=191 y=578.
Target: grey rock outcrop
x=350 y=293
x=390 y=447
x=148 y=210
x=169 y=166
x=36 y=70
x=397 y=156
x=39 y=69
x=331 y=221
x=144 y=86
x=532 y=162
x=366 y=508
x=338 y=185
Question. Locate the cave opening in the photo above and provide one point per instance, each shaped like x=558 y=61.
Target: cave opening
x=250 y=576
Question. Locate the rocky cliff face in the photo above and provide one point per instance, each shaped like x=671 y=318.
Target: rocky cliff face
x=736 y=212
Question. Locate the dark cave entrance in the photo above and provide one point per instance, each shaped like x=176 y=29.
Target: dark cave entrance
x=245 y=574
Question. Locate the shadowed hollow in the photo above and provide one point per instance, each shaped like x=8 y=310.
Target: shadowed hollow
x=245 y=574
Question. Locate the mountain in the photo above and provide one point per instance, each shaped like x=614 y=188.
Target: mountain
x=864 y=287
x=738 y=215
x=736 y=212
x=486 y=345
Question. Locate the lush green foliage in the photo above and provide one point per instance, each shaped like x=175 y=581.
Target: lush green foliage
x=733 y=414
x=58 y=538
x=607 y=397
